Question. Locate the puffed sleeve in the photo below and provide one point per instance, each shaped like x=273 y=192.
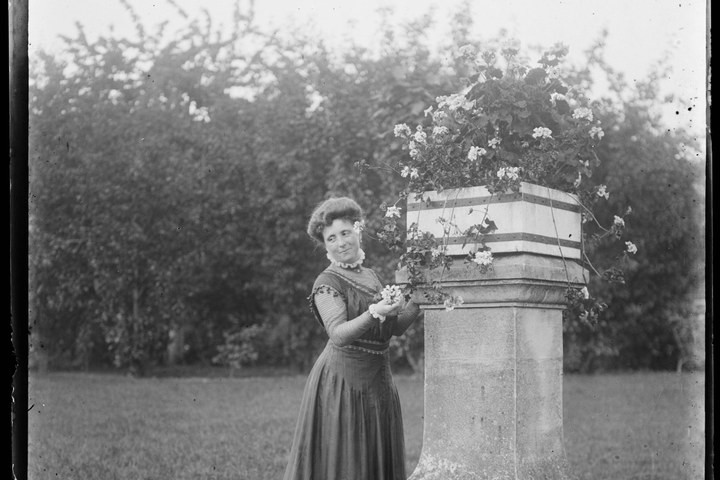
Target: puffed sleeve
x=332 y=310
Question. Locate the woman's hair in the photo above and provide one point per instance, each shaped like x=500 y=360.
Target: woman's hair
x=327 y=212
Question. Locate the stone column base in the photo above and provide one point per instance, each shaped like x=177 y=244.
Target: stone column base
x=493 y=374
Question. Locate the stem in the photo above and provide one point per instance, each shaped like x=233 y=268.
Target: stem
x=592 y=216
x=557 y=237
x=591 y=265
x=582 y=249
x=445 y=235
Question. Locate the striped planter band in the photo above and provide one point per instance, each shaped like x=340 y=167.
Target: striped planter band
x=493 y=199
x=535 y=220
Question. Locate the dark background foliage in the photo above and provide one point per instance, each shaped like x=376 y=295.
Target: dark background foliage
x=167 y=216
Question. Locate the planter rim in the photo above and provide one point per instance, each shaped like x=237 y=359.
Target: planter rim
x=480 y=194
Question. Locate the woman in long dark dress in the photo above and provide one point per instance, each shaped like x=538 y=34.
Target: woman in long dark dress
x=350 y=423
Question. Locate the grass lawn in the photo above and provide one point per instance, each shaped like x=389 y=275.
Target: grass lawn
x=93 y=426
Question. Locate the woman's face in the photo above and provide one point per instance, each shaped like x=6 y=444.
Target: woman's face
x=342 y=241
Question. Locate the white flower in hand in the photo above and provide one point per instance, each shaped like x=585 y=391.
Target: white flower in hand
x=392 y=294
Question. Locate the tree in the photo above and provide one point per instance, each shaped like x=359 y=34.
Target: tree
x=168 y=212
x=131 y=181
x=654 y=170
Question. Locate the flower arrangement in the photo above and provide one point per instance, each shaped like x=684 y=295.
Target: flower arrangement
x=510 y=123
x=392 y=294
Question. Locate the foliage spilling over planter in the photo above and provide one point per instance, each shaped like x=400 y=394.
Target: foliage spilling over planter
x=511 y=123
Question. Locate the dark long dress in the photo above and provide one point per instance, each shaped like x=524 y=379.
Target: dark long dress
x=350 y=423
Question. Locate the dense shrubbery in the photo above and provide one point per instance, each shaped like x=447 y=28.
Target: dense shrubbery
x=167 y=216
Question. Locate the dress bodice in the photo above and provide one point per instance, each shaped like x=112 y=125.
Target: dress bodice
x=358 y=288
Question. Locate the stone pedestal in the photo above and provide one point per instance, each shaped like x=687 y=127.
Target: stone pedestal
x=493 y=372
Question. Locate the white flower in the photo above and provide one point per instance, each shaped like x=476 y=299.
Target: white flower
x=596 y=132
x=359 y=226
x=412 y=172
x=451 y=303
x=420 y=136
x=484 y=258
x=583 y=113
x=602 y=192
x=393 y=212
x=476 y=152
x=402 y=130
x=628 y=211
x=619 y=221
x=455 y=101
x=439 y=116
x=494 y=142
x=542 y=132
x=630 y=247
x=553 y=72
x=414 y=153
x=414 y=234
x=437 y=251
x=442 y=130
x=554 y=97
x=466 y=51
x=392 y=294
x=585 y=293
x=509 y=172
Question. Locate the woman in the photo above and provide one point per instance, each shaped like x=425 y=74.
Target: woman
x=350 y=423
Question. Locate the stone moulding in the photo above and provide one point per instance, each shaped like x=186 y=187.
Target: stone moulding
x=493 y=365
x=521 y=277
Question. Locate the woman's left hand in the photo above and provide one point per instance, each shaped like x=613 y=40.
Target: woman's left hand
x=396 y=307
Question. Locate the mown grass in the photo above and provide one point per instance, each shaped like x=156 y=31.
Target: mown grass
x=92 y=426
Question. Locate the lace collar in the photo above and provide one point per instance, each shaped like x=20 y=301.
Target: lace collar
x=349 y=266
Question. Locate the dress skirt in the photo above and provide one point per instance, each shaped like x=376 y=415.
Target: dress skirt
x=350 y=423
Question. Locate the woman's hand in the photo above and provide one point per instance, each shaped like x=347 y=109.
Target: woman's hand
x=387 y=309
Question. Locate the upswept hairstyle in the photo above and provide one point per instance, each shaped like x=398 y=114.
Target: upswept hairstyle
x=330 y=210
